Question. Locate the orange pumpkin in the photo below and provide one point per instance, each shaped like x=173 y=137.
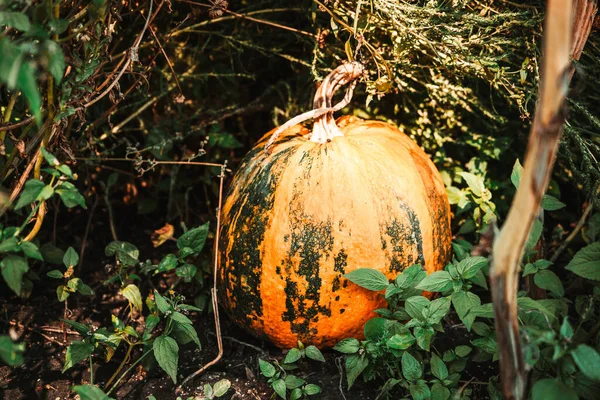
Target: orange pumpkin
x=317 y=205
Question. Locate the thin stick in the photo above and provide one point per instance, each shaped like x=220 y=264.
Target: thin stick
x=111 y=221
x=541 y=150
x=247 y=17
x=215 y=302
x=206 y=164
x=576 y=230
x=85 y=235
x=168 y=60
x=16 y=124
x=132 y=54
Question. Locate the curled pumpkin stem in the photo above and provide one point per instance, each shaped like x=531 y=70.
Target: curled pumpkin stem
x=325 y=127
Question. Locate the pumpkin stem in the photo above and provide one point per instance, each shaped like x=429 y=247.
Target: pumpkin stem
x=325 y=128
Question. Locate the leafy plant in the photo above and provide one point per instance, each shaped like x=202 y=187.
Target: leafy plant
x=219 y=389
x=281 y=381
x=11 y=353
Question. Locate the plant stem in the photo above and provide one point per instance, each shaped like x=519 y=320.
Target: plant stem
x=129 y=369
x=91 y=371
x=112 y=378
x=8 y=113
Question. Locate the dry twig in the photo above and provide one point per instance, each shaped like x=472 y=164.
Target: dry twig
x=541 y=150
x=215 y=303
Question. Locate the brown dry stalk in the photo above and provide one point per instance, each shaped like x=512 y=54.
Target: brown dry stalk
x=213 y=291
x=539 y=159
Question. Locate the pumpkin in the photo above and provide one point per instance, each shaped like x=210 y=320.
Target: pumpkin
x=313 y=206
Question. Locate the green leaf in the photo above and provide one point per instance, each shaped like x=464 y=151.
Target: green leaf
x=552 y=389
x=11 y=353
x=436 y=310
x=551 y=203
x=52 y=254
x=166 y=352
x=188 y=307
x=13 y=269
x=526 y=304
x=55 y=274
x=420 y=391
x=311 y=389
x=31 y=250
x=125 y=252
x=586 y=262
x=179 y=318
x=468 y=267
x=56 y=61
x=517 y=171
x=296 y=394
x=279 y=388
x=221 y=387
x=438 y=368
x=90 y=392
x=414 y=306
x=463 y=303
x=474 y=182
x=17 y=20
x=479 y=279
x=71 y=258
x=535 y=234
x=424 y=336
x=314 y=354
x=70 y=196
x=542 y=264
x=566 y=330
x=293 y=382
x=455 y=195
x=162 y=303
x=132 y=293
x=401 y=341
x=187 y=272
x=74 y=284
x=30 y=193
x=375 y=328
x=411 y=368
x=151 y=322
x=368 y=278
x=49 y=157
x=462 y=350
x=77 y=352
x=10 y=244
x=292 y=356
x=185 y=332
x=548 y=280
x=66 y=171
x=347 y=346
x=588 y=361
x=83 y=329
x=439 y=392
x=438 y=281
x=355 y=365
x=530 y=269
x=266 y=368
x=84 y=289
x=62 y=293
x=27 y=83
x=194 y=239
x=169 y=262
